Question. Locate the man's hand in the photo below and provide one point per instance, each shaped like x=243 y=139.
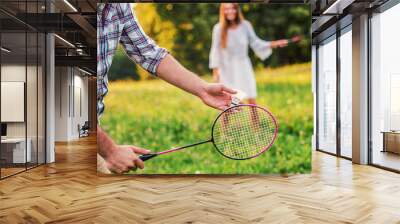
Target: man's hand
x=216 y=95
x=118 y=158
x=122 y=158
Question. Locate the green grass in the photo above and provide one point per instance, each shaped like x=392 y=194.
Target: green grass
x=154 y=115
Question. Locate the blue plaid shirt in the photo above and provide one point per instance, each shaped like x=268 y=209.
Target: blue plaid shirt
x=116 y=23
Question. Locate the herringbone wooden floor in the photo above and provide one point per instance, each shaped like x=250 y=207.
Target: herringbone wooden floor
x=69 y=191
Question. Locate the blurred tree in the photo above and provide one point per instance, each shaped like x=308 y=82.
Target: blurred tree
x=282 y=21
x=161 y=31
x=186 y=29
x=194 y=23
x=122 y=67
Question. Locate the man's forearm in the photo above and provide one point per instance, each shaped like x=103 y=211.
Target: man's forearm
x=174 y=73
x=105 y=143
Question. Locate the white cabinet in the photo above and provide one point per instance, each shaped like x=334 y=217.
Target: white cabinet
x=17 y=148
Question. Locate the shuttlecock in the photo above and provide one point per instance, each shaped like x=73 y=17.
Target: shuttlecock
x=238 y=97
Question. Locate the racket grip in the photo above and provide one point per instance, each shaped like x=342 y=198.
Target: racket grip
x=147 y=157
x=144 y=158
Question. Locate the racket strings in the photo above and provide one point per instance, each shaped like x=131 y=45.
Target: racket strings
x=243 y=132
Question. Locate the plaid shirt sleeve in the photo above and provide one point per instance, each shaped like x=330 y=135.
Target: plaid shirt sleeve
x=116 y=23
x=138 y=46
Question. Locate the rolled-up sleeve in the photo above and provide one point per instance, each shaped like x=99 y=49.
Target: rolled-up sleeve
x=138 y=46
x=214 y=56
x=260 y=47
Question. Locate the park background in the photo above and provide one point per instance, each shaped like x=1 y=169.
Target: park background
x=144 y=111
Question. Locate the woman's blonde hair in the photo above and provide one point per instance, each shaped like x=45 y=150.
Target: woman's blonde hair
x=225 y=23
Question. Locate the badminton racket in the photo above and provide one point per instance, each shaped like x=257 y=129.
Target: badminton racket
x=240 y=132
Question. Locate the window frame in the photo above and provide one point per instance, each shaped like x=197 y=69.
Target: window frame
x=381 y=9
x=340 y=30
x=29 y=29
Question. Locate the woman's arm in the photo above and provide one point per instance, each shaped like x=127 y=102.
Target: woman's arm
x=279 y=43
x=216 y=75
x=214 y=56
x=262 y=48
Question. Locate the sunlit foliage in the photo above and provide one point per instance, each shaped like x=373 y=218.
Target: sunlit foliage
x=186 y=29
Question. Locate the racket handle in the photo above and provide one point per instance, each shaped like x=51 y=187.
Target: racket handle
x=147 y=156
x=144 y=158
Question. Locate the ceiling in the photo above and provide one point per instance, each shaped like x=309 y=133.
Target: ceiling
x=74 y=22
x=327 y=15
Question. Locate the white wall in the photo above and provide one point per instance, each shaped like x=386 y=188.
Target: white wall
x=71 y=94
x=80 y=100
x=61 y=103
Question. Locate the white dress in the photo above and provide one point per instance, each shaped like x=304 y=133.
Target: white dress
x=233 y=62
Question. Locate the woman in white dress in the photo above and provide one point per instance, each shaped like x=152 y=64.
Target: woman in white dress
x=229 y=56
